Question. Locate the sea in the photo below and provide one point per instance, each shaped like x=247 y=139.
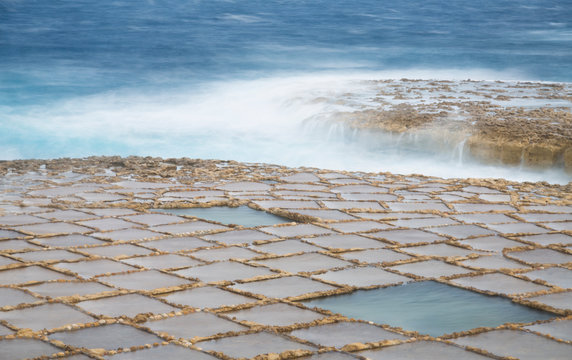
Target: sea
x=258 y=80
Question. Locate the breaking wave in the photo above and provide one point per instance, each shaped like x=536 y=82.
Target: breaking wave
x=288 y=120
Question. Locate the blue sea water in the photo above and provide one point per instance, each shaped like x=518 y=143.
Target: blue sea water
x=231 y=79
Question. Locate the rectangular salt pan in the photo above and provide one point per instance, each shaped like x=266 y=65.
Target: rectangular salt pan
x=242 y=215
x=428 y=307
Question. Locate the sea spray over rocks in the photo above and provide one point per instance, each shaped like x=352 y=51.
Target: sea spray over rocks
x=512 y=123
x=331 y=121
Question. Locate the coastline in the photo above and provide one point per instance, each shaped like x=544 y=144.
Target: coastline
x=462 y=128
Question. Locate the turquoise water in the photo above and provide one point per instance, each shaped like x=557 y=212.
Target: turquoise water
x=429 y=307
x=241 y=215
x=238 y=79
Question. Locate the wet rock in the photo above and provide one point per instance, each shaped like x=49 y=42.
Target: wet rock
x=568 y=159
x=540 y=155
x=483 y=149
x=511 y=153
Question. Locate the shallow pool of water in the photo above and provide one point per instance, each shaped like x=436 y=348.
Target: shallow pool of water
x=429 y=307
x=242 y=215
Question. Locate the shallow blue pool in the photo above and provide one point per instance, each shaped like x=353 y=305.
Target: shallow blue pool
x=429 y=307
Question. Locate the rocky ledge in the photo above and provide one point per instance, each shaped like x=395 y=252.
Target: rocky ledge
x=497 y=122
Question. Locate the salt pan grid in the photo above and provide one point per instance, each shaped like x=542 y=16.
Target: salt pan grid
x=95 y=265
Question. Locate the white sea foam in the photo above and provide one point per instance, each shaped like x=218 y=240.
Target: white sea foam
x=284 y=120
